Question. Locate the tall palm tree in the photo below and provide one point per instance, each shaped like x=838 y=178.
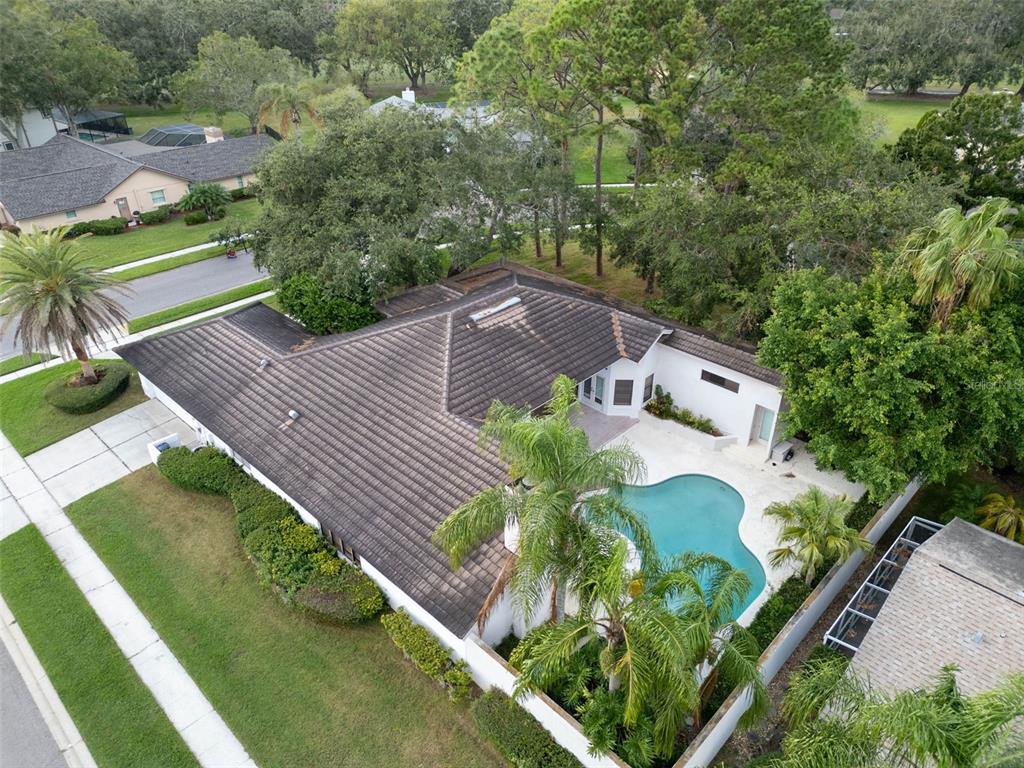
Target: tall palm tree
x=964 y=258
x=937 y=727
x=557 y=484
x=290 y=101
x=652 y=644
x=49 y=288
x=1001 y=514
x=814 y=530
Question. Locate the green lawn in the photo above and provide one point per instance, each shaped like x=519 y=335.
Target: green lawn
x=116 y=714
x=615 y=168
x=152 y=268
x=199 y=305
x=141 y=118
x=143 y=242
x=893 y=116
x=579 y=267
x=31 y=423
x=12 y=364
x=296 y=692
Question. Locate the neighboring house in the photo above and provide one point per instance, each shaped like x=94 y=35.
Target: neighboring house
x=373 y=435
x=476 y=114
x=957 y=598
x=32 y=128
x=67 y=180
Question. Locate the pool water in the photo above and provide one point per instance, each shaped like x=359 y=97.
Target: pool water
x=697 y=513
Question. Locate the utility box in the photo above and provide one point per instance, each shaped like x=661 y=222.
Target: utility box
x=162 y=444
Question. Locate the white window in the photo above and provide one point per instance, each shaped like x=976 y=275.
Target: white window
x=599 y=389
x=158 y=197
x=71 y=214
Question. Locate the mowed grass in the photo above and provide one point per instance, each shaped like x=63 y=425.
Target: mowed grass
x=296 y=692
x=179 y=311
x=579 y=267
x=144 y=270
x=143 y=242
x=615 y=167
x=16 y=363
x=893 y=116
x=31 y=423
x=116 y=714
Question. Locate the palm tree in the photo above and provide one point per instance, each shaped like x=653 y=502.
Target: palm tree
x=938 y=727
x=1002 y=515
x=290 y=102
x=652 y=645
x=964 y=258
x=207 y=196
x=814 y=530
x=50 y=289
x=557 y=484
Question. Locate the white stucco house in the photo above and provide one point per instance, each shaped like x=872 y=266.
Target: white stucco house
x=373 y=435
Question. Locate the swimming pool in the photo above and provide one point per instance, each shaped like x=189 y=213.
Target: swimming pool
x=697 y=513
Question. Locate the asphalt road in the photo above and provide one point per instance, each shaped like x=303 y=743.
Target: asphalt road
x=24 y=738
x=175 y=286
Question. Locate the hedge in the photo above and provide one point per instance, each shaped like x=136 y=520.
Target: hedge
x=100 y=227
x=195 y=217
x=159 y=216
x=778 y=609
x=427 y=653
x=206 y=470
x=517 y=735
x=114 y=379
x=288 y=555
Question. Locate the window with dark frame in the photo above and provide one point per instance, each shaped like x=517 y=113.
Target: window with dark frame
x=623 y=392
x=649 y=387
x=599 y=389
x=719 y=381
x=587 y=388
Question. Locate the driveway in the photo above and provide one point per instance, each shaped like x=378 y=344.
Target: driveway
x=88 y=460
x=175 y=286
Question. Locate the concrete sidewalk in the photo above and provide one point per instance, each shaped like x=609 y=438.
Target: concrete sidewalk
x=71 y=469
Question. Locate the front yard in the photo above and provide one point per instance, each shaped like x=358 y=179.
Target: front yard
x=294 y=691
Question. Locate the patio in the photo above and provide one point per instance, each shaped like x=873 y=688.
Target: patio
x=670 y=449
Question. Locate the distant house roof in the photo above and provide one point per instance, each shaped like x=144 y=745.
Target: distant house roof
x=386 y=443
x=67 y=173
x=478 y=113
x=959 y=600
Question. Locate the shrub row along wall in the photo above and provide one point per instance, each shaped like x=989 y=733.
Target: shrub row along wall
x=716 y=732
x=427 y=653
x=289 y=556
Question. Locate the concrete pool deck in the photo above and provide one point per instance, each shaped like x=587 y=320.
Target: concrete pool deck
x=670 y=449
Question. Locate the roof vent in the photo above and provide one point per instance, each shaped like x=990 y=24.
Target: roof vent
x=977 y=637
x=483 y=314
x=293 y=416
x=264 y=362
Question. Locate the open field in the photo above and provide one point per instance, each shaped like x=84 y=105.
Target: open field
x=116 y=714
x=892 y=117
x=296 y=692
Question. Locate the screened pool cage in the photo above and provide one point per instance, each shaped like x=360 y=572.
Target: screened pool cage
x=178 y=135
x=848 y=631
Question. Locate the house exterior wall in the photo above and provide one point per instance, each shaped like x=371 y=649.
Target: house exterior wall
x=33 y=129
x=135 y=189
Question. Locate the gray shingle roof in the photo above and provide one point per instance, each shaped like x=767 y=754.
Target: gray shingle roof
x=963 y=581
x=730 y=356
x=67 y=173
x=212 y=161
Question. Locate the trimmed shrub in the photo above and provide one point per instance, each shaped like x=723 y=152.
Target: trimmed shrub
x=778 y=609
x=303 y=297
x=861 y=514
x=114 y=379
x=241 y=193
x=256 y=506
x=195 y=217
x=517 y=735
x=281 y=553
x=348 y=596
x=206 y=470
x=663 y=408
x=100 y=227
x=427 y=653
x=159 y=216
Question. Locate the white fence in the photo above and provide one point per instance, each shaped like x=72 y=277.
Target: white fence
x=719 y=728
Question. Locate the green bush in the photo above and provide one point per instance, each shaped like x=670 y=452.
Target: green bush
x=195 y=217
x=820 y=653
x=256 y=506
x=517 y=735
x=206 y=470
x=777 y=610
x=767 y=760
x=281 y=553
x=663 y=408
x=862 y=513
x=416 y=642
x=159 y=216
x=114 y=379
x=100 y=227
x=303 y=297
x=241 y=193
x=346 y=597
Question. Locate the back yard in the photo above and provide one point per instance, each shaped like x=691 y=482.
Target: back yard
x=294 y=691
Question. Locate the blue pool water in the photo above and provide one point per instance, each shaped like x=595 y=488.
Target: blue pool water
x=697 y=513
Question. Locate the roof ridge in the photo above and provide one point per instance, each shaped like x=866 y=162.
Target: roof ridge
x=617 y=333
x=101 y=148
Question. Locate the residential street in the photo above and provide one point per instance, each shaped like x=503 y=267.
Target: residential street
x=24 y=737
x=175 y=286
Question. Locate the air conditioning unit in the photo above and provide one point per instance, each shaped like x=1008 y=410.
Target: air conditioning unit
x=783 y=452
x=162 y=444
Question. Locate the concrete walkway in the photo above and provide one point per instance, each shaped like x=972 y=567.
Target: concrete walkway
x=84 y=462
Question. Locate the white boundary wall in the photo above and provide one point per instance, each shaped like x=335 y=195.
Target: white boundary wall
x=703 y=750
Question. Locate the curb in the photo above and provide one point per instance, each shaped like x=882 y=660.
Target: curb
x=58 y=721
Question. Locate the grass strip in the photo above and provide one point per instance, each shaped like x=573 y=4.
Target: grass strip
x=116 y=714
x=16 y=363
x=179 y=311
x=31 y=423
x=295 y=691
x=144 y=270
